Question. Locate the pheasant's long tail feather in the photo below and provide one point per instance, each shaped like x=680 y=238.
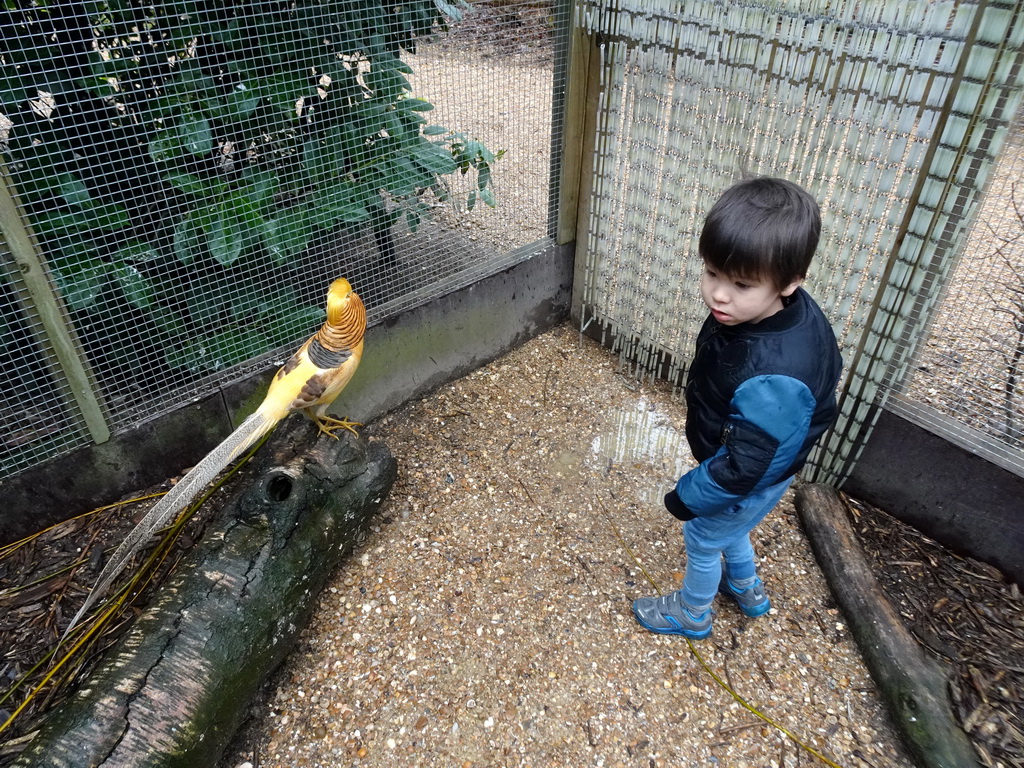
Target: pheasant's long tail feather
x=247 y=434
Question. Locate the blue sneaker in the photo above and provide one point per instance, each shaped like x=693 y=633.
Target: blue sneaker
x=751 y=600
x=669 y=615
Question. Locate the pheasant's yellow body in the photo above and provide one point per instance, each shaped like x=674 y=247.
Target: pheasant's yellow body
x=321 y=368
x=310 y=381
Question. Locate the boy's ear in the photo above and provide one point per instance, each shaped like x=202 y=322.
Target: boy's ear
x=791 y=288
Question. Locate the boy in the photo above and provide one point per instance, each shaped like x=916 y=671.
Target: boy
x=760 y=391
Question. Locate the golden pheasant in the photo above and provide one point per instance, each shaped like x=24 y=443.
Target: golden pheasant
x=310 y=381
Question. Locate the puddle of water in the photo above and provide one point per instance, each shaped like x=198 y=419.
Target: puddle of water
x=568 y=463
x=643 y=434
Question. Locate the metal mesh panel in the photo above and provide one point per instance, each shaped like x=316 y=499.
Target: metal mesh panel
x=885 y=112
x=191 y=176
x=966 y=381
x=37 y=415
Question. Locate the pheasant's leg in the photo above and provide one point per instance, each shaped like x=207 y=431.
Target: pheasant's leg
x=328 y=425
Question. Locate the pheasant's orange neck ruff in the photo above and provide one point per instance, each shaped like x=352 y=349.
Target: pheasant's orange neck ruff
x=345 y=324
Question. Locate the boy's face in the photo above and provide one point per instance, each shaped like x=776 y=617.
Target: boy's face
x=734 y=300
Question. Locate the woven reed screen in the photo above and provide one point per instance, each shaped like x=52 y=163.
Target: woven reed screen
x=889 y=113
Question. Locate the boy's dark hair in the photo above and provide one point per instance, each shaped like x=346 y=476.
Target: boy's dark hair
x=762 y=228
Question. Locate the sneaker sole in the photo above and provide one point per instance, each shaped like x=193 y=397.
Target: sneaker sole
x=692 y=634
x=756 y=611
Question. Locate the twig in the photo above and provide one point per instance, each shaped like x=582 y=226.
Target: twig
x=740 y=727
x=526 y=491
x=821 y=623
x=764 y=674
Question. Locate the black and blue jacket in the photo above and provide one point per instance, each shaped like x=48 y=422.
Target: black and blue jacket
x=758 y=397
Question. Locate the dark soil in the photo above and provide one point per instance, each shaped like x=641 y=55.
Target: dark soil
x=967 y=616
x=44 y=580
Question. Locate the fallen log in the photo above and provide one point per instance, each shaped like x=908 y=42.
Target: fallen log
x=175 y=688
x=913 y=686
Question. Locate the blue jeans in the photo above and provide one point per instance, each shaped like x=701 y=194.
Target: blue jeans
x=727 y=534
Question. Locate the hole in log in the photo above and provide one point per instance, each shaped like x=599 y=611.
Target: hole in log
x=279 y=488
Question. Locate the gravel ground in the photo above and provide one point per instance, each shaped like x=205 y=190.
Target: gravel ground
x=486 y=620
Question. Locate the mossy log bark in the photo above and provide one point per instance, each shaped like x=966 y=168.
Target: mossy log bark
x=175 y=688
x=914 y=687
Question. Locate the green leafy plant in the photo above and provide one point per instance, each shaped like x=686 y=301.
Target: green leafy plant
x=166 y=150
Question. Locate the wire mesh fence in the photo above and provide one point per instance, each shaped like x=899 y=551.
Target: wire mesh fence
x=967 y=382
x=188 y=177
x=888 y=113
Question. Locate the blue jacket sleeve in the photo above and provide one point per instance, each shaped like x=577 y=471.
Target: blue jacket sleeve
x=767 y=425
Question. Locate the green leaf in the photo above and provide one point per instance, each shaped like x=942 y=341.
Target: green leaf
x=399 y=126
x=485 y=154
x=62 y=224
x=405 y=177
x=386 y=83
x=314 y=161
x=285 y=89
x=205 y=302
x=287 y=234
x=234 y=346
x=136 y=288
x=74 y=190
x=294 y=321
x=225 y=31
x=136 y=252
x=394 y=63
x=295 y=230
x=192 y=357
x=259 y=187
x=412 y=219
x=243 y=99
x=12 y=92
x=81 y=282
x=111 y=217
x=418 y=105
x=376 y=46
x=434 y=158
x=196 y=135
x=188 y=183
x=434 y=130
x=191 y=84
x=269 y=232
x=340 y=202
x=252 y=299
x=368 y=118
x=166 y=146
x=487 y=195
x=224 y=236
x=231 y=227
x=342 y=146
x=34 y=178
x=187 y=242
x=169 y=323
x=451 y=10
x=352 y=214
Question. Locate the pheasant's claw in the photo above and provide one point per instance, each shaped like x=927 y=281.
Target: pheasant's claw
x=329 y=426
